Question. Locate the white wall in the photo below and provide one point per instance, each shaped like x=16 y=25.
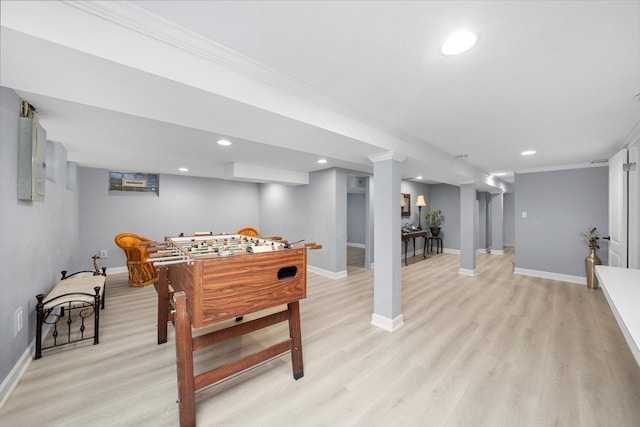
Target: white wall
x=509 y=227
x=283 y=211
x=38 y=240
x=316 y=212
x=356 y=216
x=560 y=205
x=328 y=220
x=447 y=198
x=184 y=205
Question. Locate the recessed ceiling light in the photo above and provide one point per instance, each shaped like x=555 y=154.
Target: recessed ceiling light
x=183 y=170
x=418 y=177
x=458 y=42
x=528 y=152
x=322 y=161
x=224 y=142
x=499 y=174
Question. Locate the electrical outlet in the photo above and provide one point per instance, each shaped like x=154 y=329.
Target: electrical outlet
x=18 y=321
x=104 y=253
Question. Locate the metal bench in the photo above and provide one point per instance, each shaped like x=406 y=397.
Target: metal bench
x=68 y=306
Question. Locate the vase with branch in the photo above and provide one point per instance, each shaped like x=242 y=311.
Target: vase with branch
x=591 y=240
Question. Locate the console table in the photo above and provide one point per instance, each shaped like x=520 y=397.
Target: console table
x=412 y=235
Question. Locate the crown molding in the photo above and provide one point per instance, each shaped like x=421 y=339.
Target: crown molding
x=141 y=21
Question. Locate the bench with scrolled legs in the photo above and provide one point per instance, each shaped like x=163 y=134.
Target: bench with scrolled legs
x=68 y=307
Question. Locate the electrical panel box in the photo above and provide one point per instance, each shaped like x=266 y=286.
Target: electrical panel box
x=31 y=159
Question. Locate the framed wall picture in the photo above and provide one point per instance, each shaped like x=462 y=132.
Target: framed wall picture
x=134 y=182
x=405 y=204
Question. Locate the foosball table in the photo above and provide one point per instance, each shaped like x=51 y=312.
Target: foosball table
x=205 y=279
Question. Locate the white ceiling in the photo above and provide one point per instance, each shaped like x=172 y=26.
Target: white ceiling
x=151 y=85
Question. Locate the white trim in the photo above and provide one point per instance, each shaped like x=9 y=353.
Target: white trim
x=18 y=370
x=387 y=155
x=467 y=272
x=552 y=276
x=384 y=323
x=482 y=251
x=356 y=245
x=327 y=273
x=451 y=251
x=496 y=252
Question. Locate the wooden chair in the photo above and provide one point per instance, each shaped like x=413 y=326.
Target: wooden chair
x=141 y=272
x=248 y=231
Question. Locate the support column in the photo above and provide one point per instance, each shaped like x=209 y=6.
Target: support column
x=497 y=224
x=468 y=229
x=387 y=281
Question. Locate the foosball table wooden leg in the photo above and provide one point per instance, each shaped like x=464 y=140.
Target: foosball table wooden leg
x=184 y=361
x=296 y=339
x=163 y=303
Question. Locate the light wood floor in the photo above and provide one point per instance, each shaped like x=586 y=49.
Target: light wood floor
x=494 y=350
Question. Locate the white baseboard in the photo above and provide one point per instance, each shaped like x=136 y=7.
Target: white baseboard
x=478 y=251
x=467 y=272
x=11 y=381
x=384 y=323
x=552 y=276
x=326 y=273
x=356 y=245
